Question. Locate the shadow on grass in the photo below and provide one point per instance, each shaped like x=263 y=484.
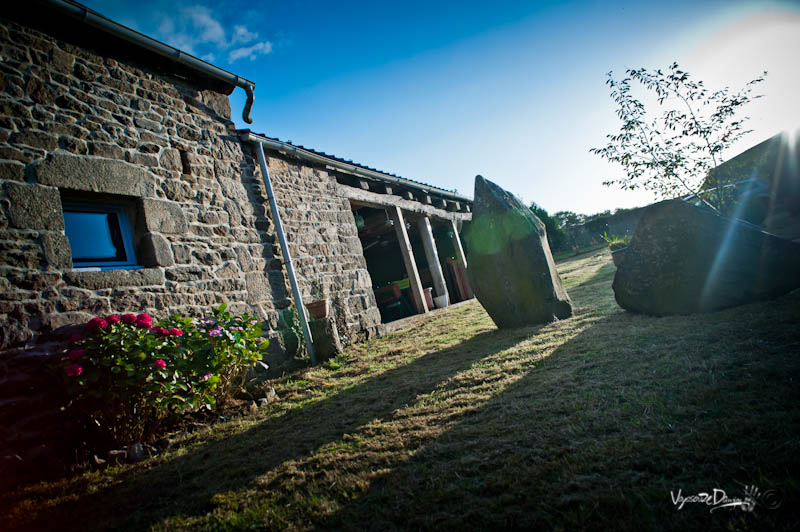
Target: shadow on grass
x=599 y=433
x=184 y=485
x=586 y=291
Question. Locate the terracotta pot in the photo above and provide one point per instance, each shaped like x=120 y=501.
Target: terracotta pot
x=318 y=309
x=617 y=255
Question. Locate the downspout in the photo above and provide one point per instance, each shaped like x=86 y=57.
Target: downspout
x=286 y=254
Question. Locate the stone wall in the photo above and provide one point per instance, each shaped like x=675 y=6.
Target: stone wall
x=75 y=124
x=72 y=122
x=323 y=240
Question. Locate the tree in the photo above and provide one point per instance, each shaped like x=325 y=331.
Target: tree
x=566 y=219
x=672 y=153
x=597 y=225
x=555 y=234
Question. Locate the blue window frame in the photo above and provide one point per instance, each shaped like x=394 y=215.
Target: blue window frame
x=100 y=236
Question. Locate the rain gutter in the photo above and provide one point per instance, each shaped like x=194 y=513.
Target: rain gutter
x=96 y=20
x=248 y=135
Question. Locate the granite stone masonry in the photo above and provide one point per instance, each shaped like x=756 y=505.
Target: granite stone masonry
x=324 y=243
x=100 y=128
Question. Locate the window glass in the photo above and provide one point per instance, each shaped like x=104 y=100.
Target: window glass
x=94 y=236
x=99 y=235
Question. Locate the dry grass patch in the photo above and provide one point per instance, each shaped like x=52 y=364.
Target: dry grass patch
x=586 y=423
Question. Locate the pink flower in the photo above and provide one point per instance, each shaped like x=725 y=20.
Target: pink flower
x=159 y=364
x=175 y=332
x=112 y=319
x=128 y=318
x=73 y=370
x=75 y=338
x=253 y=322
x=144 y=317
x=96 y=323
x=76 y=354
x=205 y=377
x=235 y=329
x=215 y=332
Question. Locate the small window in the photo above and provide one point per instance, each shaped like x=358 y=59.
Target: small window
x=99 y=235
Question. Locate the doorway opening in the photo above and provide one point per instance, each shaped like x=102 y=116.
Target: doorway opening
x=386 y=266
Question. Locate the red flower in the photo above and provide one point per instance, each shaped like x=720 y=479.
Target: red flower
x=76 y=354
x=128 y=318
x=143 y=324
x=159 y=364
x=176 y=332
x=75 y=338
x=144 y=317
x=73 y=370
x=160 y=331
x=112 y=319
x=96 y=323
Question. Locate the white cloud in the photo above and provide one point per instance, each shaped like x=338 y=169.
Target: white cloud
x=241 y=35
x=205 y=26
x=168 y=33
x=250 y=52
x=196 y=29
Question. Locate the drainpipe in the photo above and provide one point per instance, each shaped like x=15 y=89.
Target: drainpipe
x=285 y=247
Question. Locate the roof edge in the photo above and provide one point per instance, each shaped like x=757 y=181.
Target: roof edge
x=92 y=18
x=248 y=136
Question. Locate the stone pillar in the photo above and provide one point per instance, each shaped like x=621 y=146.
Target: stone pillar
x=432 y=254
x=399 y=222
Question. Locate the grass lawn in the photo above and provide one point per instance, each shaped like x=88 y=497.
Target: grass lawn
x=594 y=422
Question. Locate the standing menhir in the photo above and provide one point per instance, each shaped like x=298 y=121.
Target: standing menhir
x=511 y=268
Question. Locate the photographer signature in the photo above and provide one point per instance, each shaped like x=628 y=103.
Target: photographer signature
x=718 y=499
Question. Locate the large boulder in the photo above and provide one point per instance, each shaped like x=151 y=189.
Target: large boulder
x=509 y=263
x=684 y=259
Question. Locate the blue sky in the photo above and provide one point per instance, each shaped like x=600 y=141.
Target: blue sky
x=442 y=91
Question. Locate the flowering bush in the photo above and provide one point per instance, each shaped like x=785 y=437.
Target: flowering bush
x=129 y=373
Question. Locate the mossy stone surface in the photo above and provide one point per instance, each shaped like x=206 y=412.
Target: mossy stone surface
x=510 y=266
x=684 y=259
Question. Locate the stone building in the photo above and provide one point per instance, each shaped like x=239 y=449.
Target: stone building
x=125 y=187
x=764 y=182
